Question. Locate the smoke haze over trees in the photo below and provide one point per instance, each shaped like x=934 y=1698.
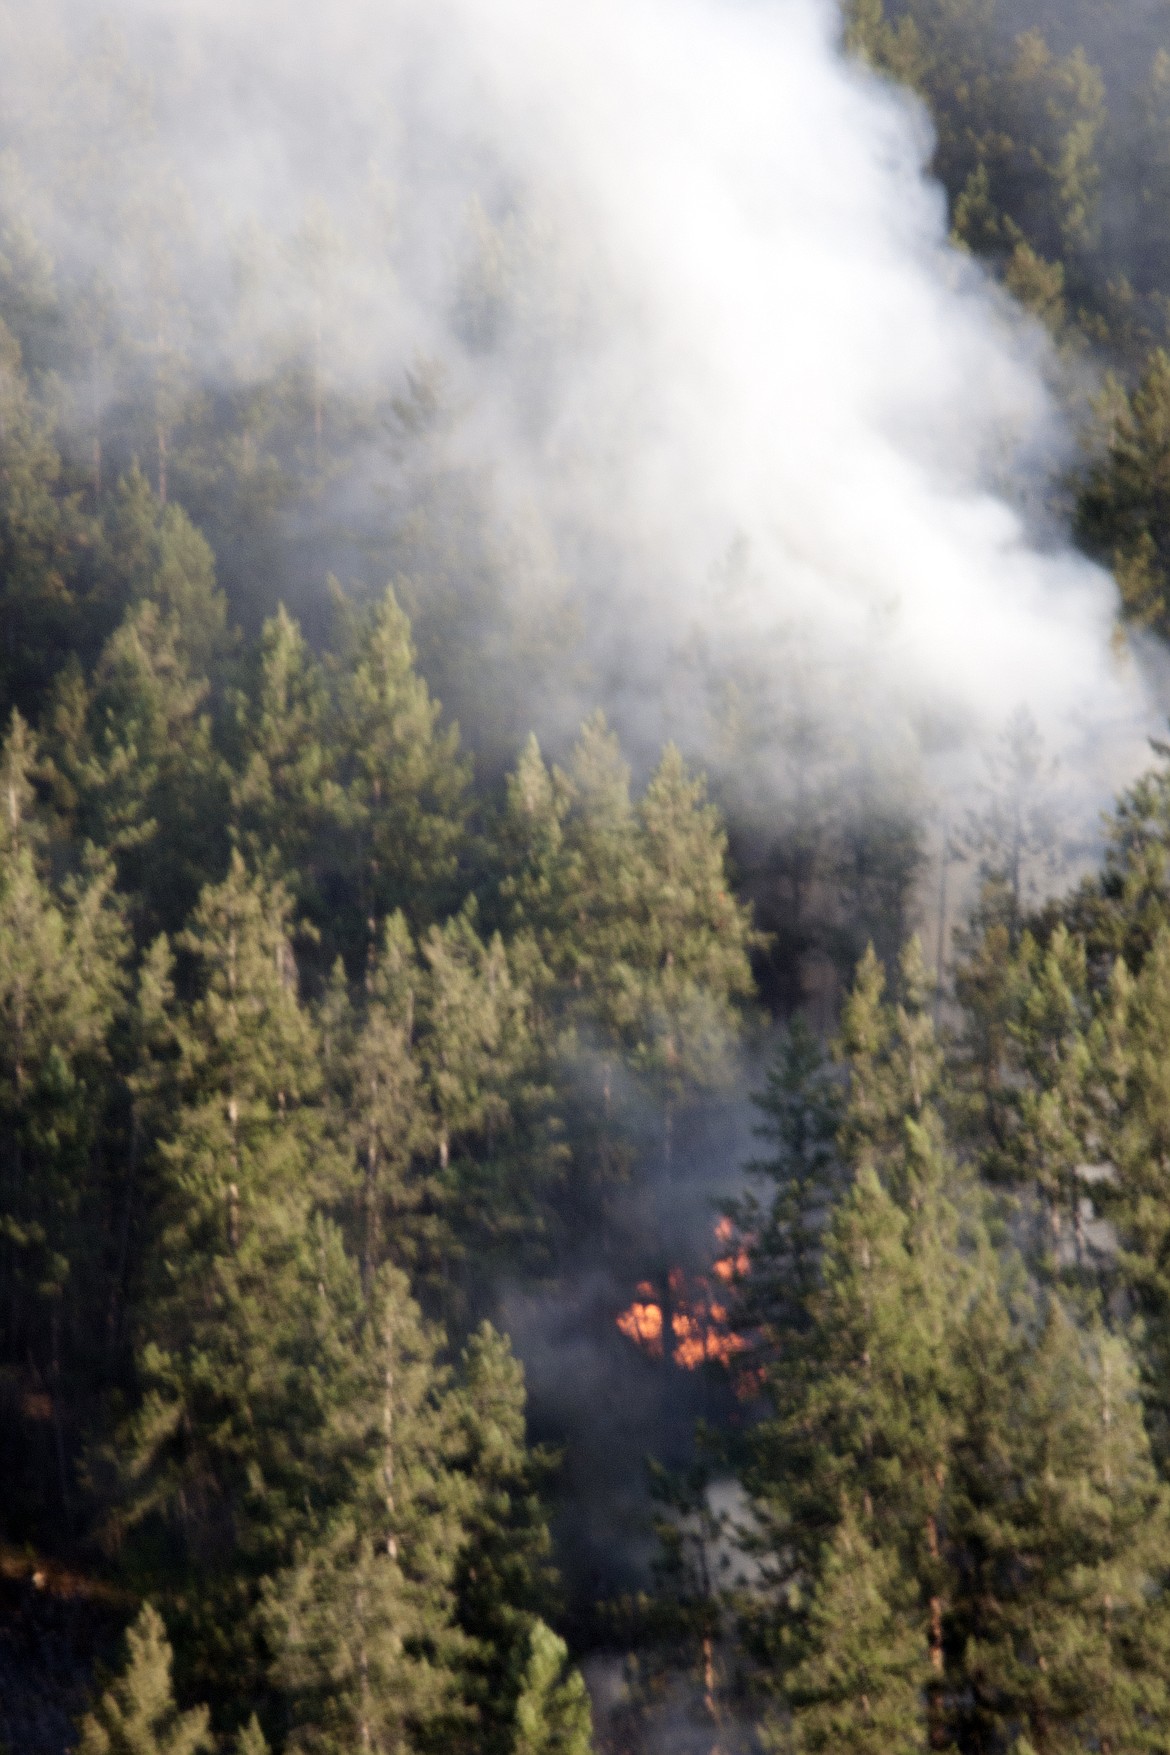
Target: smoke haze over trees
x=537 y=545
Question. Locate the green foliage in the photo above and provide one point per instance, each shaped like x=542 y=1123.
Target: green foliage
x=62 y=994
x=892 y=1059
x=346 y=780
x=246 y=1315
x=629 y=908
x=135 y=769
x=1057 y=1512
x=42 y=532
x=1020 y=128
x=149 y=550
x=801 y=1109
x=137 y=1715
x=862 y=1379
x=403 y=777
x=1124 y=507
x=623 y=920
x=505 y=1577
x=360 y=1622
x=552 y=1709
x=438 y=1102
x=859 y=1685
x=250 y=1739
x=285 y=799
x=1134 y=1106
x=957 y=1495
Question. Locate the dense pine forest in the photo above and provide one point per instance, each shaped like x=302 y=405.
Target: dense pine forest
x=351 y=1027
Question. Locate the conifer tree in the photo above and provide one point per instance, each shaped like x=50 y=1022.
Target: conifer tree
x=1027 y=1097
x=505 y=1579
x=250 y=1739
x=863 y=1383
x=134 y=757
x=639 y=955
x=1006 y=1472
x=987 y=985
x=1019 y=127
x=1120 y=910
x=366 y=1654
x=1124 y=509
x=1049 y=1070
x=486 y=1084
x=695 y=936
x=41 y=535
x=438 y=1101
x=651 y=934
x=382 y=1119
x=403 y=777
x=1058 y=1524
x=859 y=1686
x=892 y=1059
x=62 y=958
x=285 y=800
x=895 y=48
x=552 y=1709
x=801 y=1109
x=535 y=885
x=1133 y=1109
x=868 y=1405
x=249 y=1303
x=137 y=1714
x=150 y=551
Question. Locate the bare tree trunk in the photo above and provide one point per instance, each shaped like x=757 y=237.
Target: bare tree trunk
x=318 y=389
x=58 y=1429
x=97 y=427
x=388 y=1453
x=363 y=1674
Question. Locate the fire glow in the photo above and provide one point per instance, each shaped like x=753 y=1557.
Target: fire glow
x=699 y=1325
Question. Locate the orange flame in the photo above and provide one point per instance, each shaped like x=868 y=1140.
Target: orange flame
x=699 y=1325
x=642 y=1322
x=703 y=1335
x=736 y=1264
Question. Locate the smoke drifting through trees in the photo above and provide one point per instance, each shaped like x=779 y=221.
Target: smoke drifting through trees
x=629 y=334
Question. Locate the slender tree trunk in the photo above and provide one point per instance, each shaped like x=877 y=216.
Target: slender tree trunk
x=363 y=1674
x=934 y=1703
x=160 y=420
x=58 y=1429
x=234 y=1186
x=318 y=389
x=388 y=1436
x=941 y=952
x=95 y=385
x=936 y=1645
x=117 y=1298
x=371 y=1202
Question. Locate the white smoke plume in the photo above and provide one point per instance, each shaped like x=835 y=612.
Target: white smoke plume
x=755 y=447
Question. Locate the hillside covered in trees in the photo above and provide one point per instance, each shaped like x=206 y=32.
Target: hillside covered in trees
x=344 y=1019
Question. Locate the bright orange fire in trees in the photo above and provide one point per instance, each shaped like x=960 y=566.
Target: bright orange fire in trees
x=642 y=1322
x=699 y=1324
x=735 y=1264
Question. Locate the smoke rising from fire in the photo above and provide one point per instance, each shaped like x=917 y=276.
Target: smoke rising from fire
x=751 y=444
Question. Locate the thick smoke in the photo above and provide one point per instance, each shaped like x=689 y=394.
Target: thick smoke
x=743 y=446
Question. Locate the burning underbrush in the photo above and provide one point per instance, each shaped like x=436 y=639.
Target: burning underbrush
x=686 y=1319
